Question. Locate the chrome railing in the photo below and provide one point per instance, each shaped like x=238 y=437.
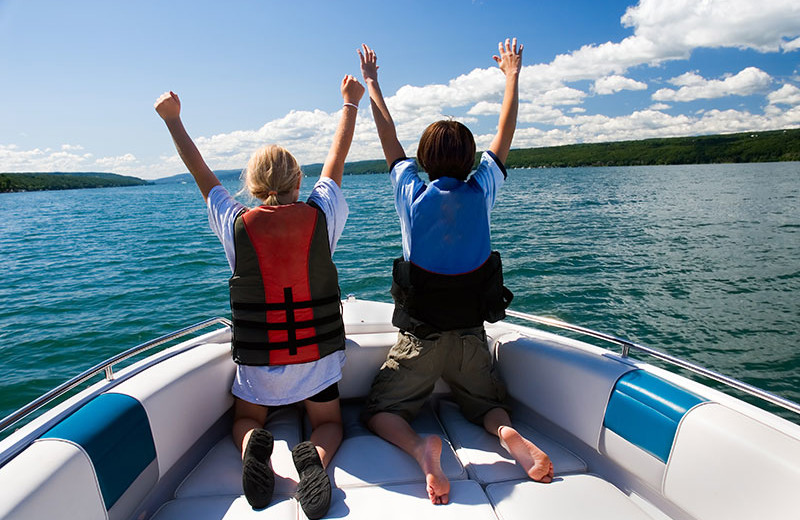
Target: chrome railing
x=107 y=367
x=627 y=346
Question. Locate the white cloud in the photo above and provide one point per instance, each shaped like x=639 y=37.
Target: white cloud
x=649 y=123
x=678 y=26
x=791 y=45
x=660 y=106
x=786 y=95
x=484 y=108
x=692 y=86
x=562 y=96
x=615 y=83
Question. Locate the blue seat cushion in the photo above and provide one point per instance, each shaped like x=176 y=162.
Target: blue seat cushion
x=114 y=431
x=646 y=410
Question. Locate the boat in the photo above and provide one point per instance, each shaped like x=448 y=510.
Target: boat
x=628 y=438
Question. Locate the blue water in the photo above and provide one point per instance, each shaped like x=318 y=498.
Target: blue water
x=698 y=261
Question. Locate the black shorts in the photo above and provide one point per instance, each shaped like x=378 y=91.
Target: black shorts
x=328 y=394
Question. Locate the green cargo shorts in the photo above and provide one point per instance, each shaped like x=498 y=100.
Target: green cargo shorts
x=460 y=357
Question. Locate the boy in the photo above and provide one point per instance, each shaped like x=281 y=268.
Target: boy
x=447 y=283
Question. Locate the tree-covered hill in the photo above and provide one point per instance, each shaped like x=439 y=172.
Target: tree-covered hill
x=779 y=145
x=773 y=146
x=36 y=181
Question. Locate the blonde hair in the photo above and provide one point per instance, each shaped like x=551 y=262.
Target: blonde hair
x=271 y=171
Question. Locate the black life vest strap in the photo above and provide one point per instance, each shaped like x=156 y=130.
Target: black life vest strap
x=259 y=346
x=284 y=306
x=305 y=324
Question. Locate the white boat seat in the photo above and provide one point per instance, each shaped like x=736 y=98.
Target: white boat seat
x=572 y=497
x=483 y=457
x=725 y=465
x=226 y=508
x=410 y=501
x=51 y=479
x=365 y=459
x=220 y=471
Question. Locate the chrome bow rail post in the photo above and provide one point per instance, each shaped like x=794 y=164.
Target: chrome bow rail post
x=627 y=346
x=107 y=367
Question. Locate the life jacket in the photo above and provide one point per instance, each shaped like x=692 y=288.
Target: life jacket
x=284 y=290
x=427 y=302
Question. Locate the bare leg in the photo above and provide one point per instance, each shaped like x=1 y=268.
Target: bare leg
x=258 y=479
x=426 y=451
x=246 y=418
x=534 y=461
x=326 y=428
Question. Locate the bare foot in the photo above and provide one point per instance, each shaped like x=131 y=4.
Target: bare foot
x=437 y=484
x=534 y=461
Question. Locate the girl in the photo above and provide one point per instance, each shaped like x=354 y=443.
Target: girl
x=288 y=335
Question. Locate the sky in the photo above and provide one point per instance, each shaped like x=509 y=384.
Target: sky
x=78 y=79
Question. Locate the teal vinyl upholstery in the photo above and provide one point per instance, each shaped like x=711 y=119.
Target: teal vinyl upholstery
x=115 y=432
x=646 y=410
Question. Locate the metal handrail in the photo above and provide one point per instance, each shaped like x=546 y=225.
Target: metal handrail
x=697 y=369
x=105 y=366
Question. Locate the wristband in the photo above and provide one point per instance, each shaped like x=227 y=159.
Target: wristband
x=351 y=105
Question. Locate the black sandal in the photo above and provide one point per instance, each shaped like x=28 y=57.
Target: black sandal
x=314 y=489
x=258 y=479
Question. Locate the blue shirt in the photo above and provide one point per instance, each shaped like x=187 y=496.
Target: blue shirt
x=445 y=224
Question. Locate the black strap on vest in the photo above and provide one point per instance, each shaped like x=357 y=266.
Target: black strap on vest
x=427 y=302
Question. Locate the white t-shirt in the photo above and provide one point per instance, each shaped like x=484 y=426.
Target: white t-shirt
x=282 y=384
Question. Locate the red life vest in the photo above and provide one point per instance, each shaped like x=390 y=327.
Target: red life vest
x=284 y=290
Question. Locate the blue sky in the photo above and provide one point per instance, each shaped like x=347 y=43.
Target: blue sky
x=79 y=78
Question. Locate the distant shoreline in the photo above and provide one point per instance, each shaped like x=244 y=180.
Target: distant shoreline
x=48 y=181
x=744 y=147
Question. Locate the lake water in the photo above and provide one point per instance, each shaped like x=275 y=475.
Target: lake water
x=698 y=261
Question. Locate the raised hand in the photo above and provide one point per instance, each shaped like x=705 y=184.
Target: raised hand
x=510 y=59
x=369 y=63
x=168 y=106
x=352 y=90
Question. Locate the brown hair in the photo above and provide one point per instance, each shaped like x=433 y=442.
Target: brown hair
x=446 y=149
x=271 y=171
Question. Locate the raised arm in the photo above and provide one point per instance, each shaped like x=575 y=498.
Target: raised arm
x=333 y=168
x=392 y=149
x=510 y=62
x=168 y=107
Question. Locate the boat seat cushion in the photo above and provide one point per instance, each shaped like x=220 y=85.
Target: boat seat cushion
x=227 y=508
x=646 y=410
x=486 y=461
x=573 y=497
x=113 y=430
x=409 y=501
x=366 y=459
x=220 y=471
x=365 y=355
x=540 y=371
x=170 y=392
x=51 y=479
x=725 y=465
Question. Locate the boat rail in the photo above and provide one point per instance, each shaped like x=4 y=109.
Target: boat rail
x=107 y=367
x=627 y=346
